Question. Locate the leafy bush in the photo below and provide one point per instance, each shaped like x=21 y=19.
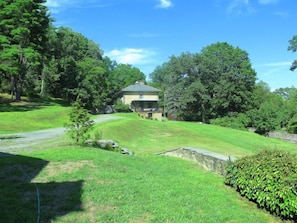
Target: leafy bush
x=269 y=179
x=240 y=122
x=121 y=107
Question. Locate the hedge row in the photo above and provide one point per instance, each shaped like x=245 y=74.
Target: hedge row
x=269 y=179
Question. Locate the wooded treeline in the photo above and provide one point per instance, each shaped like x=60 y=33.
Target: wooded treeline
x=217 y=85
x=38 y=59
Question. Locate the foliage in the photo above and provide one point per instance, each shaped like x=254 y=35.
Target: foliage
x=123 y=75
x=80 y=123
x=239 y=121
x=269 y=116
x=229 y=77
x=269 y=179
x=23 y=29
x=206 y=85
x=292 y=126
x=271 y=110
x=79 y=69
x=293 y=47
x=121 y=107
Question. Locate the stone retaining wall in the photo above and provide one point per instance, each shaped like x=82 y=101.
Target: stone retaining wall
x=208 y=160
x=284 y=136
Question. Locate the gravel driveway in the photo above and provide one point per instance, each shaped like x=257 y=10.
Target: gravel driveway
x=17 y=142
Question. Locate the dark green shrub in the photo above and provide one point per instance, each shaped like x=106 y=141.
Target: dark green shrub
x=229 y=122
x=269 y=179
x=121 y=107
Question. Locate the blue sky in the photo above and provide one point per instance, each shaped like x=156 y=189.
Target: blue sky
x=145 y=33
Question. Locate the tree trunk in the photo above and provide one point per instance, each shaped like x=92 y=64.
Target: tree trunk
x=17 y=88
x=12 y=89
x=42 y=87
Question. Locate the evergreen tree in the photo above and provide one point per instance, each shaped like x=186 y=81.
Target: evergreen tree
x=23 y=29
x=80 y=123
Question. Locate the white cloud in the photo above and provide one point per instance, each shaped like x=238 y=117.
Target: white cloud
x=52 y=3
x=59 y=3
x=56 y=6
x=132 y=56
x=239 y=7
x=266 y=2
x=165 y=4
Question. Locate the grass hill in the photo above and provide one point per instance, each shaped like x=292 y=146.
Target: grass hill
x=146 y=137
x=81 y=184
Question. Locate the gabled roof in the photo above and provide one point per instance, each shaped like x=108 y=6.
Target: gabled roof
x=141 y=87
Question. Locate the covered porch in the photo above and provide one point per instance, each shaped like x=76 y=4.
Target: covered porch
x=148 y=108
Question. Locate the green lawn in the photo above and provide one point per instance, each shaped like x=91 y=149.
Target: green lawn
x=92 y=185
x=146 y=137
x=25 y=116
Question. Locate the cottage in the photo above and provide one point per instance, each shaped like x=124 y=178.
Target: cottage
x=143 y=99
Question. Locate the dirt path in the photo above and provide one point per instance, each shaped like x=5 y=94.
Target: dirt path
x=20 y=142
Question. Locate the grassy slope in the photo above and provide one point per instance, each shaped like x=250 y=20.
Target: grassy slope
x=100 y=186
x=146 y=136
x=103 y=186
x=30 y=116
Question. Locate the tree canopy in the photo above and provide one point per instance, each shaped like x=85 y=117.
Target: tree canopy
x=23 y=29
x=207 y=85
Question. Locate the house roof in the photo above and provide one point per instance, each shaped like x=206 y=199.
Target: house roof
x=140 y=87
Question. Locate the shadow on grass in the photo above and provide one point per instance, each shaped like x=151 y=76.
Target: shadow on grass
x=8 y=105
x=23 y=200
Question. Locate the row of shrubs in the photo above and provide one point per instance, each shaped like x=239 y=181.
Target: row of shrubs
x=269 y=179
x=242 y=121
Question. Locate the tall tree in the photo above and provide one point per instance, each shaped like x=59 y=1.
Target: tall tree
x=184 y=94
x=212 y=84
x=293 y=48
x=227 y=73
x=77 y=69
x=23 y=28
x=92 y=84
x=271 y=115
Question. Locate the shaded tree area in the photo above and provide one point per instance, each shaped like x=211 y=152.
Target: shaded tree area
x=40 y=60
